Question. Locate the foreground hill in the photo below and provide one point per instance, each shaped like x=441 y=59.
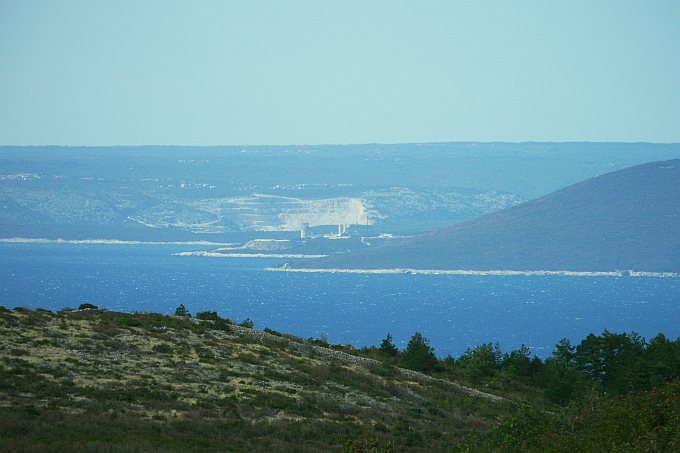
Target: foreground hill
x=627 y=219
x=94 y=380
x=103 y=381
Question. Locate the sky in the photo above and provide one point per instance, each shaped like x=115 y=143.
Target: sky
x=313 y=72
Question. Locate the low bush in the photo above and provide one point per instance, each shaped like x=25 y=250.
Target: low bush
x=163 y=348
x=247 y=323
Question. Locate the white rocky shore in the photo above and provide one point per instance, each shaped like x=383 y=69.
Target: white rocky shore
x=479 y=272
x=108 y=241
x=247 y=255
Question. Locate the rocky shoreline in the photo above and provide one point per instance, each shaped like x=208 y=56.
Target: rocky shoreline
x=479 y=272
x=248 y=255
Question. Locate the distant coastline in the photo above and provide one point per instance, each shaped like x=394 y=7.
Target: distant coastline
x=480 y=272
x=106 y=241
x=194 y=253
x=248 y=255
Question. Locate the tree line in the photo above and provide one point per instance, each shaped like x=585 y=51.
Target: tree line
x=615 y=363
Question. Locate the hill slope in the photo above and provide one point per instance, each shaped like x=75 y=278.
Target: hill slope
x=629 y=219
x=94 y=380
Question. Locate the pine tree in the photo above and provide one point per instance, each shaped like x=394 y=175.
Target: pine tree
x=387 y=347
x=418 y=355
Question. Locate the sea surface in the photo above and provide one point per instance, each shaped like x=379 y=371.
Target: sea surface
x=453 y=311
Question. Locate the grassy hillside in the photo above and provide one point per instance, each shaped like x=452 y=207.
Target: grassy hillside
x=94 y=380
x=104 y=381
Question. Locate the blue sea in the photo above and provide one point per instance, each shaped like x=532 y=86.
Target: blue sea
x=454 y=312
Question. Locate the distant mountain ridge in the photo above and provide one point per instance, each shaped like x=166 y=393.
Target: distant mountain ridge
x=628 y=219
x=228 y=193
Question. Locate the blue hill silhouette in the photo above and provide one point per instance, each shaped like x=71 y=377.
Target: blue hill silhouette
x=628 y=219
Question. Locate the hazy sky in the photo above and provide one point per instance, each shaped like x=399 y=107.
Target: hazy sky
x=308 y=72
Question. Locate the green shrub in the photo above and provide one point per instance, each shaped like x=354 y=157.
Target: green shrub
x=272 y=332
x=163 y=348
x=182 y=311
x=207 y=316
x=247 y=323
x=482 y=361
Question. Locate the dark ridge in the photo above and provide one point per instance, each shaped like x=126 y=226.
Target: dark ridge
x=628 y=219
